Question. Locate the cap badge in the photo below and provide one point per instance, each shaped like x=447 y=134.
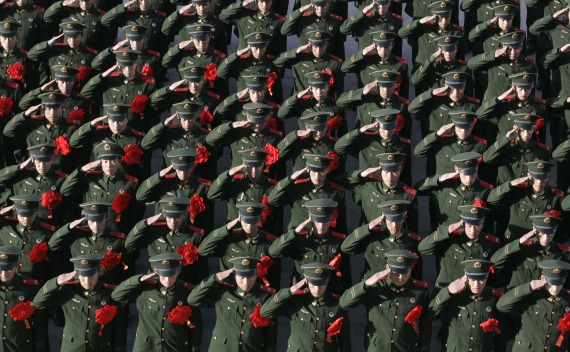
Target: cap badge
x=69 y=25
x=394 y=207
x=186 y=106
x=556 y=271
x=166 y=262
x=382 y=35
x=245 y=262
x=3 y=256
x=317 y=159
x=400 y=259
x=51 y=96
x=94 y=207
x=320 y=209
x=171 y=204
x=24 y=202
x=250 y=209
x=547 y=220
x=116 y=108
x=506 y=8
x=514 y=36
x=474 y=210
x=7 y=25
x=463 y=116
x=258 y=36
x=457 y=76
x=193 y=69
x=125 y=53
x=385 y=74
x=318 y=34
x=447 y=39
x=107 y=147
x=43 y=149
x=526 y=77
x=390 y=157
x=253 y=153
x=259 y=111
x=477 y=265
x=388 y=118
x=540 y=166
x=134 y=28
x=84 y=261
x=317 y=75
x=443 y=4
x=318 y=271
x=64 y=69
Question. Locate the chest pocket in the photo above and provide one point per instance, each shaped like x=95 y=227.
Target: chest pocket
x=152 y=308
x=231 y=310
x=385 y=309
x=77 y=311
x=307 y=321
x=464 y=316
x=459 y=255
x=452 y=201
x=538 y=315
x=375 y=254
x=524 y=208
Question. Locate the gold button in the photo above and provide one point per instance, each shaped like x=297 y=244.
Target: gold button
x=395 y=317
x=162 y=329
x=89 y=307
x=87 y=330
x=316 y=331
x=472 y=326
x=391 y=341
x=317 y=318
x=244 y=308
x=241 y=332
x=88 y=318
x=470 y=337
x=393 y=329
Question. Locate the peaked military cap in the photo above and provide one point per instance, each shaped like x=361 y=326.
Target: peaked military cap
x=26 y=204
x=9 y=27
x=473 y=214
x=95 y=211
x=256 y=82
x=316 y=120
x=257 y=112
x=317 y=162
x=476 y=269
x=182 y=158
x=250 y=212
x=87 y=264
x=448 y=42
x=318 y=38
x=523 y=79
x=455 y=79
x=539 y=169
x=193 y=73
x=258 y=39
x=108 y=151
x=545 y=223
x=441 y=8
x=166 y=264
x=321 y=210
x=42 y=152
x=391 y=162
x=135 y=32
x=462 y=118
x=9 y=256
x=64 y=73
x=52 y=99
x=318 y=79
x=386 y=118
x=253 y=157
x=244 y=266
x=400 y=261
x=200 y=31
x=317 y=273
x=383 y=38
x=467 y=163
x=126 y=57
x=386 y=78
x=187 y=109
x=117 y=111
x=72 y=29
x=394 y=210
x=555 y=271
x=174 y=207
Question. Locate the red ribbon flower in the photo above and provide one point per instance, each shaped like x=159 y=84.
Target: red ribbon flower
x=413 y=316
x=490 y=325
x=263 y=267
x=334 y=328
x=62 y=145
x=335 y=163
x=271 y=123
x=271 y=80
x=258 y=320
x=51 y=200
x=23 y=311
x=147 y=71
x=104 y=316
x=202 y=155
x=399 y=123
x=267 y=211
x=189 y=253
x=181 y=315
x=111 y=260
x=16 y=71
x=479 y=203
x=331 y=80
x=333 y=125
x=39 y=253
x=139 y=104
x=120 y=203
x=335 y=262
x=539 y=124
x=272 y=157
x=6 y=106
x=563 y=327
x=133 y=154
x=555 y=213
x=196 y=207
x=84 y=73
x=211 y=73
x=206 y=118
x=76 y=117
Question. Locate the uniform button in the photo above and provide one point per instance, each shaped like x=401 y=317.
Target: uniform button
x=470 y=337
x=243 y=320
x=244 y=308
x=88 y=318
x=397 y=304
x=314 y=342
x=395 y=317
x=163 y=318
x=240 y=343
x=86 y=341
x=317 y=318
x=391 y=341
x=472 y=326
x=162 y=329
x=161 y=339
x=87 y=330
x=4 y=338
x=393 y=329
x=316 y=331
x=548 y=335
x=470 y=349
x=6 y=302
x=96 y=251
x=89 y=307
x=241 y=332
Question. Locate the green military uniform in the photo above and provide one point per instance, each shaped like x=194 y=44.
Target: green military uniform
x=560 y=154
x=29 y=334
x=117 y=88
x=455 y=247
x=305 y=62
x=158 y=238
x=388 y=306
x=9 y=67
x=523 y=258
x=485 y=36
x=556 y=64
x=81 y=240
x=235 y=329
x=308 y=246
x=434 y=109
x=95 y=35
x=449 y=194
x=10 y=92
x=97 y=186
x=375 y=242
x=539 y=311
x=511 y=156
x=481 y=11
x=31 y=19
x=82 y=331
x=553 y=30
x=30 y=181
x=156 y=332
x=29 y=239
x=248 y=20
x=363 y=65
x=465 y=313
x=311 y=317
x=440 y=148
x=523 y=201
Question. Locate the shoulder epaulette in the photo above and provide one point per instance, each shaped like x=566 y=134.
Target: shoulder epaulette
x=522 y=185
x=400 y=59
x=238 y=176
x=244 y=56
x=336 y=58
x=11 y=84
x=302 y=233
x=492 y=239
x=153 y=53
x=276 y=132
x=563 y=247
x=303 y=180
x=94 y=172
x=272 y=181
x=130 y=9
x=403 y=100
x=279 y=17
x=117 y=234
x=273 y=105
x=271 y=57
x=159 y=223
x=378 y=229
x=528 y=243
x=152 y=281
x=101 y=12
x=188 y=285
x=169 y=176
x=338 y=235
x=446 y=135
x=463 y=62
x=188 y=14
x=429 y=23
x=529 y=60
x=131 y=178
x=395 y=15
x=30 y=282
x=558 y=192
x=227 y=284
x=458 y=27
x=189 y=48
x=236 y=232
x=480 y=140
x=22 y=51
x=336 y=17
x=409 y=190
x=543 y=146
x=270 y=237
x=160 y=13
x=30 y=169
x=335 y=296
x=82 y=229
x=375 y=178
x=444 y=94
x=47 y=226
x=457 y=233
x=336 y=186
x=91 y=50
x=539 y=100
x=203 y=181
x=180 y=90
x=496 y=292
x=198 y=230
x=473 y=100
x=405 y=140
x=219 y=54
x=485 y=184
x=306 y=96
x=204 y=130
x=267 y=289
x=39 y=8
x=213 y=95
x=420 y=283
x=307 y=14
x=414 y=236
x=114 y=74
x=109 y=286
x=102 y=127
x=138 y=133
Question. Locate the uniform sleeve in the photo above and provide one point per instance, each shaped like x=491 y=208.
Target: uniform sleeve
x=59 y=237
x=217 y=190
x=219 y=134
x=81 y=137
x=202 y=295
x=120 y=330
x=356 y=242
x=497 y=195
x=40 y=51
x=560 y=154
x=480 y=61
x=171 y=25
x=411 y=30
x=12 y=127
x=172 y=57
x=494 y=152
x=7 y=174
x=102 y=60
x=351 y=23
x=127 y=290
x=426 y=145
x=354 y=296
x=511 y=301
x=423 y=71
x=488 y=110
x=425 y=324
x=501 y=256
x=53 y=13
x=148 y=190
x=478 y=32
x=282 y=246
x=136 y=235
x=290 y=26
x=286 y=59
x=438 y=304
x=289 y=107
x=210 y=244
x=540 y=26
x=30 y=99
x=430 y=244
x=112 y=16
x=420 y=102
x=153 y=139
x=344 y=145
x=287 y=146
x=227 y=109
x=91 y=88
x=49 y=295
x=72 y=184
x=225 y=69
x=349 y=98
x=280 y=194
x=277 y=304
x=428 y=185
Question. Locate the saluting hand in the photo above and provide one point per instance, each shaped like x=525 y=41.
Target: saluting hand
x=120 y=44
x=32 y=109
x=165 y=171
x=372 y=280
x=169 y=119
x=185 y=8
x=46 y=86
x=297 y=286
x=448 y=176
x=444 y=128
x=63 y=278
x=304 y=92
x=153 y=219
x=91 y=165
x=527 y=236
x=76 y=223
x=304 y=225
x=370 y=171
x=230 y=225
x=97 y=121
x=457 y=285
x=6 y=210
x=234 y=170
x=376 y=222
x=519 y=181
x=455 y=226
x=222 y=275
x=110 y=70
x=537 y=284
x=25 y=163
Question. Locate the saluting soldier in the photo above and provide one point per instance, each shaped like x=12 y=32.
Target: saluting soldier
x=94 y=321
x=318 y=322
x=30 y=334
x=96 y=238
x=166 y=322
x=28 y=233
x=484 y=37
x=239 y=325
x=382 y=235
x=315 y=240
x=463 y=240
x=521 y=257
x=468 y=307
x=540 y=305
x=14 y=63
x=170 y=231
x=396 y=306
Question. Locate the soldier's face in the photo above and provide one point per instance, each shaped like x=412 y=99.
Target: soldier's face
x=523 y=93
x=85 y=4
x=320 y=93
x=8 y=43
x=318 y=135
x=320 y=11
x=42 y=167
x=256 y=96
x=382 y=9
x=476 y=286
x=21 y=3
x=174 y=223
x=130 y=70
x=525 y=135
x=110 y=166
x=384 y=51
x=195 y=87
x=258 y=52
x=320 y=50
x=257 y=127
x=203 y=10
x=449 y=55
x=538 y=185
x=386 y=92
x=385 y=134
x=254 y=172
x=66 y=87
x=317 y=177
x=144 y=4
x=52 y=113
x=320 y=228
x=26 y=220
x=394 y=227
x=443 y=20
x=317 y=291
x=8 y=275
x=249 y=228
x=88 y=282
x=473 y=231
x=505 y=24
x=246 y=283
x=118 y=126
x=97 y=227
x=545 y=239
x=467 y=180
x=136 y=44
x=390 y=178
x=463 y=133
x=399 y=279
x=455 y=94
x=183 y=174
x=187 y=124
x=514 y=53
x=552 y=289
x=168 y=281
x=201 y=45
x=264 y=6
x=74 y=41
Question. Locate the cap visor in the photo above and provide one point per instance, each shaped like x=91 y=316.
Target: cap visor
x=251 y=220
x=86 y=272
x=469 y=171
x=383 y=42
x=96 y=217
x=109 y=156
x=555 y=281
x=187 y=115
x=400 y=269
x=257 y=120
x=321 y=218
x=546 y=230
x=193 y=79
x=456 y=85
x=44 y=158
x=390 y=167
x=472 y=221
x=524 y=125
x=245 y=273
x=256 y=87
x=254 y=163
x=448 y=48
x=25 y=212
x=172 y=214
x=118 y=117
x=477 y=276
x=395 y=218
x=167 y=272
x=317 y=282
x=7 y=266
x=384 y=84
x=541 y=176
